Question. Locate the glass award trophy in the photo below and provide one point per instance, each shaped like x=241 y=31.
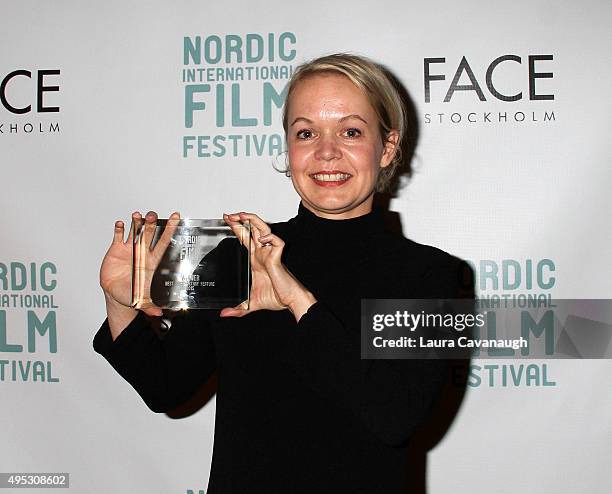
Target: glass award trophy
x=190 y=264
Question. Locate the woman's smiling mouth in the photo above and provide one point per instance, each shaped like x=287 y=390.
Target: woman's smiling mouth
x=330 y=178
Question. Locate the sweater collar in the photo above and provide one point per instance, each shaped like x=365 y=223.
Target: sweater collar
x=309 y=224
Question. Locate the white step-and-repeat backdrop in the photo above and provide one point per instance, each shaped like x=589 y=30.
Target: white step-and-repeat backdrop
x=116 y=106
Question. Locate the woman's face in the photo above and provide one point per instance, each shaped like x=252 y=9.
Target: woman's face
x=335 y=147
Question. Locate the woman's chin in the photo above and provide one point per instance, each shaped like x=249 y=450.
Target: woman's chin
x=336 y=206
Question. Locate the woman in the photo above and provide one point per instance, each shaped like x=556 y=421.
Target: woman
x=297 y=408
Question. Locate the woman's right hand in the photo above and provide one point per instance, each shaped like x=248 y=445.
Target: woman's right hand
x=116 y=269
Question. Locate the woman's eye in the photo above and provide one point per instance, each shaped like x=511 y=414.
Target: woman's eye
x=304 y=134
x=352 y=133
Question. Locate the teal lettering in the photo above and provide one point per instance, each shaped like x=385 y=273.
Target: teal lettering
x=190 y=51
x=24 y=371
x=506 y=265
x=271 y=96
x=545 y=325
x=46 y=285
x=259 y=146
x=3 y=273
x=17 y=267
x=516 y=376
x=488 y=270
x=276 y=145
x=545 y=381
x=4 y=345
x=187 y=146
x=190 y=105
x=474 y=379
x=492 y=335
x=546 y=263
x=208 y=51
x=237 y=120
x=36 y=325
x=284 y=41
x=491 y=368
x=254 y=48
x=220 y=105
x=233 y=44
x=38 y=371
x=532 y=375
x=219 y=147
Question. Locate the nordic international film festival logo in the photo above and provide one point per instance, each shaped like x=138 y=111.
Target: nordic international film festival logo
x=514 y=284
x=235 y=85
x=510 y=89
x=29 y=102
x=28 y=321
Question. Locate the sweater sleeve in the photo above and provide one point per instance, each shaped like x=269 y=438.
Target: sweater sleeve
x=164 y=371
x=391 y=398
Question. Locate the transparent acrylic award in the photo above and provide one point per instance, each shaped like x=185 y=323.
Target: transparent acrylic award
x=205 y=265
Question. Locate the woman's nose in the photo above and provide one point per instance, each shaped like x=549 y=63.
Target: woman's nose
x=327 y=148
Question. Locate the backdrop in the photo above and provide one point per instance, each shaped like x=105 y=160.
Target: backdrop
x=109 y=108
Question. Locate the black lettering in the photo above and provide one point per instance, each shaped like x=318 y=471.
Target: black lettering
x=42 y=88
x=6 y=80
x=464 y=66
x=489 y=78
x=427 y=77
x=533 y=75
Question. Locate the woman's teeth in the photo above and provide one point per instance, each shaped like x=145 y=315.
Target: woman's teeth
x=327 y=177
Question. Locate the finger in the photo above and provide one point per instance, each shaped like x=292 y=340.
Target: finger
x=271 y=239
x=136 y=222
x=232 y=219
x=149 y=228
x=231 y=312
x=119 y=233
x=141 y=268
x=240 y=230
x=153 y=311
x=135 y=240
x=256 y=235
x=253 y=219
x=169 y=231
x=237 y=311
x=260 y=224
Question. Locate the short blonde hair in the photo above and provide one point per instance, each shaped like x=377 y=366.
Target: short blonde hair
x=376 y=85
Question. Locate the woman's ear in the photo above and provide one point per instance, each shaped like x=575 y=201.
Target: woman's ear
x=391 y=147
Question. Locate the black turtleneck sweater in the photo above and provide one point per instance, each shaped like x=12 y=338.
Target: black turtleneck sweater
x=298 y=410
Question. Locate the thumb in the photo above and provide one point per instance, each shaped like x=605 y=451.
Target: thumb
x=153 y=311
x=237 y=311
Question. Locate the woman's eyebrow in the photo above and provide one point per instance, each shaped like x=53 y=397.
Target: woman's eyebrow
x=353 y=116
x=307 y=120
x=347 y=117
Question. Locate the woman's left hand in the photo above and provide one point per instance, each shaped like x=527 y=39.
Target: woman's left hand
x=273 y=286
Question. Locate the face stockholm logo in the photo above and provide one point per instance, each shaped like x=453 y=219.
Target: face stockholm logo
x=536 y=70
x=39 y=88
